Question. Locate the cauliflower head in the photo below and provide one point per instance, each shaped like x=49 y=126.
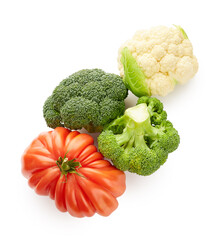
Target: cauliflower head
x=155 y=60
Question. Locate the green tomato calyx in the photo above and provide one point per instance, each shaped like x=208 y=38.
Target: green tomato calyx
x=68 y=166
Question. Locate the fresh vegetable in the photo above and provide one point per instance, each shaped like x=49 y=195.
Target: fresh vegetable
x=88 y=99
x=66 y=166
x=141 y=139
x=153 y=62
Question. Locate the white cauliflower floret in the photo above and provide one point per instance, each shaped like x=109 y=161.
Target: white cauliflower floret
x=158 y=52
x=164 y=55
x=141 y=34
x=148 y=64
x=186 y=69
x=160 y=84
x=168 y=63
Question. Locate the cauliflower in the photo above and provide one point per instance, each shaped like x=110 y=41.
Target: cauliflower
x=154 y=61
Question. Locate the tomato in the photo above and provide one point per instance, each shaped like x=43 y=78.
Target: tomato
x=66 y=166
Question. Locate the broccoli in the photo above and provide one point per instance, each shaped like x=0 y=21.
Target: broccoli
x=141 y=139
x=89 y=98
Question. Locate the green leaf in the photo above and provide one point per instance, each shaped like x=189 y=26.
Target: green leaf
x=182 y=31
x=134 y=78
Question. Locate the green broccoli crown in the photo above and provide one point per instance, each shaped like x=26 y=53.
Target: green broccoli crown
x=89 y=98
x=141 y=139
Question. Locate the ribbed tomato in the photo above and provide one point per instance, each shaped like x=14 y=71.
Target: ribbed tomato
x=66 y=166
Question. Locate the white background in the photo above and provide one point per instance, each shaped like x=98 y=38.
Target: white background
x=41 y=43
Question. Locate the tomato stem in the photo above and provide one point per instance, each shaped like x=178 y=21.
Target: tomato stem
x=68 y=166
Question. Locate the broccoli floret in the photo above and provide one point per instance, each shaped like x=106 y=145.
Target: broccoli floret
x=88 y=99
x=141 y=139
x=51 y=115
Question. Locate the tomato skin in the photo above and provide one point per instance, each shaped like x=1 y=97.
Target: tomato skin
x=92 y=189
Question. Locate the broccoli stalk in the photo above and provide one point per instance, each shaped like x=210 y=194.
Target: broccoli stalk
x=138 y=125
x=140 y=140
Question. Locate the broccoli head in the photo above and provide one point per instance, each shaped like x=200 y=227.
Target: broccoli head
x=88 y=99
x=141 y=139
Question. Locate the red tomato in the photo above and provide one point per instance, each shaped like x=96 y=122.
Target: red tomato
x=66 y=166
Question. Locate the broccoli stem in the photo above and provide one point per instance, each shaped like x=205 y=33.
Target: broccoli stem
x=124 y=137
x=140 y=141
x=130 y=144
x=93 y=129
x=137 y=125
